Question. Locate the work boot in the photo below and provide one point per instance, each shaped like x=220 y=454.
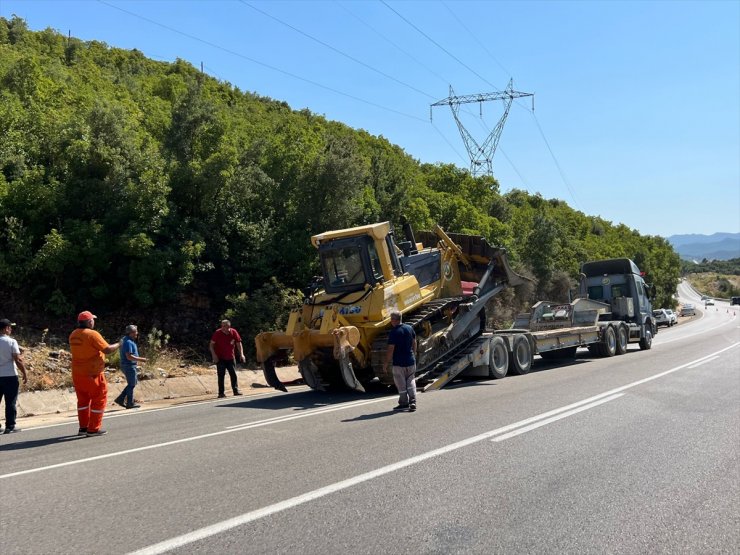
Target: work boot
x=400 y=407
x=133 y=406
x=412 y=407
x=237 y=393
x=82 y=432
x=119 y=401
x=221 y=395
x=11 y=430
x=97 y=433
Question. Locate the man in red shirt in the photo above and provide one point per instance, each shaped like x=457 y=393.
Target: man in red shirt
x=223 y=342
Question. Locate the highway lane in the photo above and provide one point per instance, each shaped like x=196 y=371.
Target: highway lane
x=653 y=467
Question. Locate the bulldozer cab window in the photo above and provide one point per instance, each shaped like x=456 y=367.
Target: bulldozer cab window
x=343 y=267
x=375 y=267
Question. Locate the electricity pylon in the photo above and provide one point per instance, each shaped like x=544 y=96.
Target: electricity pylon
x=481 y=156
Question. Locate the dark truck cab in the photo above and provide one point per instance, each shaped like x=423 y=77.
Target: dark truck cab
x=618 y=283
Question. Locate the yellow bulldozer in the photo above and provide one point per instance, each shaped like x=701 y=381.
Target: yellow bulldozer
x=440 y=284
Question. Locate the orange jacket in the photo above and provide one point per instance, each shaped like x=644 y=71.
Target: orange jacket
x=87 y=348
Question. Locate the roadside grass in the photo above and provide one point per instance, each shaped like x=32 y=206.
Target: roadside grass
x=712 y=284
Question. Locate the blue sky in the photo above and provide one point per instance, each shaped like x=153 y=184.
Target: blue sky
x=637 y=104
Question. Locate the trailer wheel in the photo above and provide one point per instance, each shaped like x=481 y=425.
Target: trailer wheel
x=609 y=345
x=622 y=340
x=498 y=365
x=646 y=341
x=521 y=360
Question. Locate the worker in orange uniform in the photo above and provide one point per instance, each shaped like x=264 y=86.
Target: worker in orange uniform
x=88 y=350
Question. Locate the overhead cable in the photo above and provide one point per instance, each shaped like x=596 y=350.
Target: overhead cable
x=263 y=64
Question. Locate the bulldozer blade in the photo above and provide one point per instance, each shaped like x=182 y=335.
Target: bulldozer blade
x=268 y=369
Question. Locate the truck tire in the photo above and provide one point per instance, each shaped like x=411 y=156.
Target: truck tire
x=646 y=341
x=608 y=346
x=622 y=340
x=521 y=355
x=498 y=365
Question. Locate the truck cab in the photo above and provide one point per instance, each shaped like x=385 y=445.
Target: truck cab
x=618 y=282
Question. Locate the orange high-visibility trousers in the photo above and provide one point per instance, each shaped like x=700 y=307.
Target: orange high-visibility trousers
x=92 y=395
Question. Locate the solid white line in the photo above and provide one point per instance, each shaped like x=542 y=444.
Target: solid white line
x=704 y=362
x=122 y=413
x=245 y=518
x=531 y=427
x=278 y=419
x=188 y=439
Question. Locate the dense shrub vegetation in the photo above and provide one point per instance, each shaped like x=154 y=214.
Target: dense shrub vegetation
x=126 y=182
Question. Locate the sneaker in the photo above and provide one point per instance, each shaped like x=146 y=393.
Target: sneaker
x=400 y=407
x=412 y=407
x=237 y=393
x=119 y=402
x=98 y=433
x=82 y=432
x=134 y=406
x=11 y=430
x=221 y=395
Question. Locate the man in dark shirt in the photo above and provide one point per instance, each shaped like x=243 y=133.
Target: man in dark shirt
x=401 y=349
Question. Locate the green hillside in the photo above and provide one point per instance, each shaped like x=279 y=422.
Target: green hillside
x=135 y=187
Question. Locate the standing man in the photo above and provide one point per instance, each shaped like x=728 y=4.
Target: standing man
x=401 y=349
x=10 y=357
x=223 y=342
x=129 y=357
x=88 y=350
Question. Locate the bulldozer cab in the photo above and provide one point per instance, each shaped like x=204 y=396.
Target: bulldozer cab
x=349 y=264
x=352 y=259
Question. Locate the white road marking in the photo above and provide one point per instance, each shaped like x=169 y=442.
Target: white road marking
x=552 y=419
x=266 y=422
x=219 y=527
x=703 y=362
x=277 y=419
x=122 y=413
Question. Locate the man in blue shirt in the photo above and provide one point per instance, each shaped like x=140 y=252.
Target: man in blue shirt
x=401 y=349
x=129 y=357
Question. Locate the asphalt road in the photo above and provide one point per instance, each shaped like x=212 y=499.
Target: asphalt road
x=633 y=454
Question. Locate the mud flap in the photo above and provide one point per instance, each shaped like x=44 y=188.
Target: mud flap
x=268 y=369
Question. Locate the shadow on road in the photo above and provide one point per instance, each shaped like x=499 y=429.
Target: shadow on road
x=372 y=416
x=38 y=442
x=303 y=400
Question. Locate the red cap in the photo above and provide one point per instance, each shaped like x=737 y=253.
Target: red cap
x=84 y=316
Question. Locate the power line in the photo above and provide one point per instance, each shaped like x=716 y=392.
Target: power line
x=482 y=45
x=430 y=39
x=268 y=66
x=557 y=164
x=332 y=48
x=381 y=35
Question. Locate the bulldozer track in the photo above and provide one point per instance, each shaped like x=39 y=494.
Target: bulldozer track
x=432 y=359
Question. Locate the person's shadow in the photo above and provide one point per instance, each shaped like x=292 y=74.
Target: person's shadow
x=372 y=416
x=37 y=442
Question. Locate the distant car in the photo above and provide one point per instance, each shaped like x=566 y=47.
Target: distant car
x=704 y=297
x=709 y=302
x=735 y=300
x=688 y=310
x=662 y=318
x=672 y=316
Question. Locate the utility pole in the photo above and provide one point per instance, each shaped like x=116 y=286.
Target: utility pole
x=481 y=156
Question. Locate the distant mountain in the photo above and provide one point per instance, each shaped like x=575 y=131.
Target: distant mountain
x=718 y=246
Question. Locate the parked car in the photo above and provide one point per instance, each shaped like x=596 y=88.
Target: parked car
x=688 y=310
x=672 y=316
x=709 y=302
x=661 y=317
x=734 y=300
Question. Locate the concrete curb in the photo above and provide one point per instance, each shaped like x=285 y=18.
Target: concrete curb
x=58 y=401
